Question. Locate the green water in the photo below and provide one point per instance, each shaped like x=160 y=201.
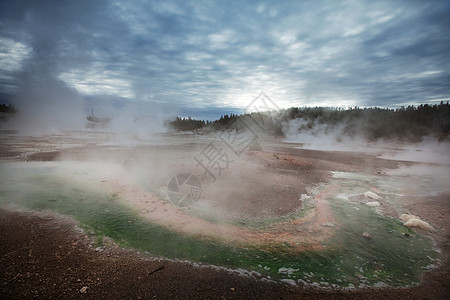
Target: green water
x=387 y=257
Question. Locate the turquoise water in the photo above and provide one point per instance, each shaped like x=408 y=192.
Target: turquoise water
x=388 y=256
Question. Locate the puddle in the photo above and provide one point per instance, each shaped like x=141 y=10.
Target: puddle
x=387 y=256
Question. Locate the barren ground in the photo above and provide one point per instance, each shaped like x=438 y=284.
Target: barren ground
x=44 y=256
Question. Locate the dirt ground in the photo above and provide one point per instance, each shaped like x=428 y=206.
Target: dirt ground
x=46 y=256
x=43 y=256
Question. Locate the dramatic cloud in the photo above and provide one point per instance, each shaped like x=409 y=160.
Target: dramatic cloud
x=215 y=57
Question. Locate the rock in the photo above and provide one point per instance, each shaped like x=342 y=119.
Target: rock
x=287 y=271
x=366 y=235
x=83 y=290
x=302 y=282
x=372 y=195
x=289 y=281
x=327 y=224
x=412 y=221
x=416 y=223
x=380 y=284
x=405 y=217
x=373 y=204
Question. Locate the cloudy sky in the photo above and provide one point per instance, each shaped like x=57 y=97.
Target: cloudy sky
x=206 y=58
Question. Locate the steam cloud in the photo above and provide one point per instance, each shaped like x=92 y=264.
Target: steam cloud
x=60 y=37
x=320 y=136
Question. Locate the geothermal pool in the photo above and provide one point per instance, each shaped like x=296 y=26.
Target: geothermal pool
x=281 y=213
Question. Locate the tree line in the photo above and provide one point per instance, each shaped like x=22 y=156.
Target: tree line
x=7 y=108
x=411 y=123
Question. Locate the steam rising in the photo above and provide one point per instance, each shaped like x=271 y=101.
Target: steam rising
x=47 y=105
x=65 y=37
x=319 y=136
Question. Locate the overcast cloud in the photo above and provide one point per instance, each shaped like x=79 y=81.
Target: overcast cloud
x=206 y=58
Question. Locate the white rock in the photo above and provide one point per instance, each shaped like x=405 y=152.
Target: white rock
x=380 y=284
x=288 y=271
x=416 y=223
x=366 y=235
x=289 y=281
x=302 y=282
x=405 y=217
x=412 y=221
x=372 y=195
x=83 y=290
x=373 y=204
